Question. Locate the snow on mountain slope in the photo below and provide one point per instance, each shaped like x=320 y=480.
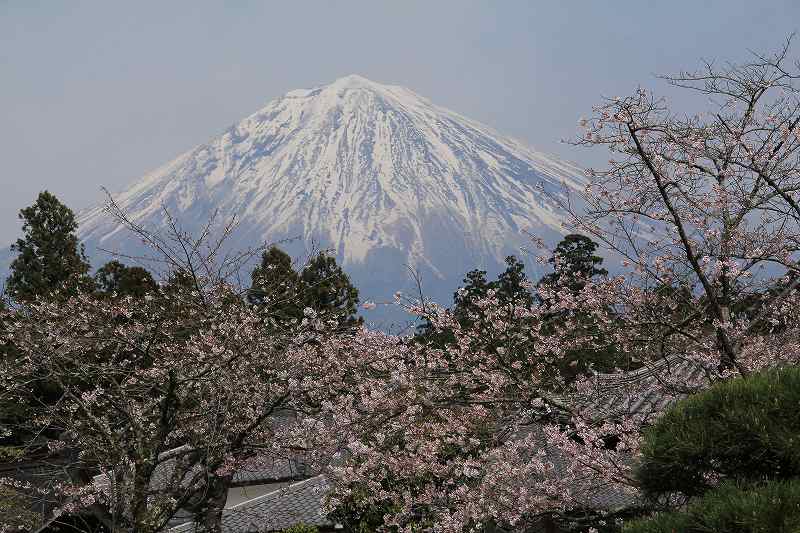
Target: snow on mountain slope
x=375 y=172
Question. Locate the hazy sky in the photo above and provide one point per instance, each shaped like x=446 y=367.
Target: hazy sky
x=97 y=93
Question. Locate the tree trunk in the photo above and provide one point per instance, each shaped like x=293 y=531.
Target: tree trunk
x=210 y=515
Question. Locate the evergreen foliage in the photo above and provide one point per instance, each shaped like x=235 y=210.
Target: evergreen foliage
x=50 y=257
x=322 y=285
x=512 y=284
x=275 y=278
x=50 y=260
x=116 y=279
x=770 y=508
x=574 y=262
x=464 y=300
x=744 y=430
x=510 y=288
x=327 y=289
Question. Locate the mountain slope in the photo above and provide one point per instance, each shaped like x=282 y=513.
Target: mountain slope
x=375 y=172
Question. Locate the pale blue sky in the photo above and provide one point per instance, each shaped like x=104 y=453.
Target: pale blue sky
x=96 y=93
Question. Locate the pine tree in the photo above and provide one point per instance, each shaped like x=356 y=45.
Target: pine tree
x=510 y=288
x=574 y=262
x=729 y=455
x=116 y=279
x=276 y=286
x=50 y=258
x=328 y=291
x=512 y=284
x=475 y=287
x=464 y=300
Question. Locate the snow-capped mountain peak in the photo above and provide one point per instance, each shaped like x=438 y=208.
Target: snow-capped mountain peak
x=375 y=172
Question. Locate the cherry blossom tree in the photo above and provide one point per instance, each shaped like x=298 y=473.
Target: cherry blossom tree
x=703 y=210
x=705 y=204
x=453 y=437
x=473 y=434
x=165 y=395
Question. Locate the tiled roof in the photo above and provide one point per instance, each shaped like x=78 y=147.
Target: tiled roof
x=272 y=467
x=648 y=391
x=651 y=388
x=268 y=467
x=299 y=503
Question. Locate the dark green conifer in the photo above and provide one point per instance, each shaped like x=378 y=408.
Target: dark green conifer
x=575 y=262
x=117 y=279
x=465 y=298
x=276 y=286
x=732 y=452
x=328 y=291
x=50 y=258
x=512 y=284
x=510 y=288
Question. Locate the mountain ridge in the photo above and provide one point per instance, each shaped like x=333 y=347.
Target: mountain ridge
x=374 y=172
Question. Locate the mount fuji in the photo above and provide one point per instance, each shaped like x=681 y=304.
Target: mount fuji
x=376 y=173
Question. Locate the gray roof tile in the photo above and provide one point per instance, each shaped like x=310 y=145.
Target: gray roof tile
x=299 y=503
x=267 y=468
x=648 y=390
